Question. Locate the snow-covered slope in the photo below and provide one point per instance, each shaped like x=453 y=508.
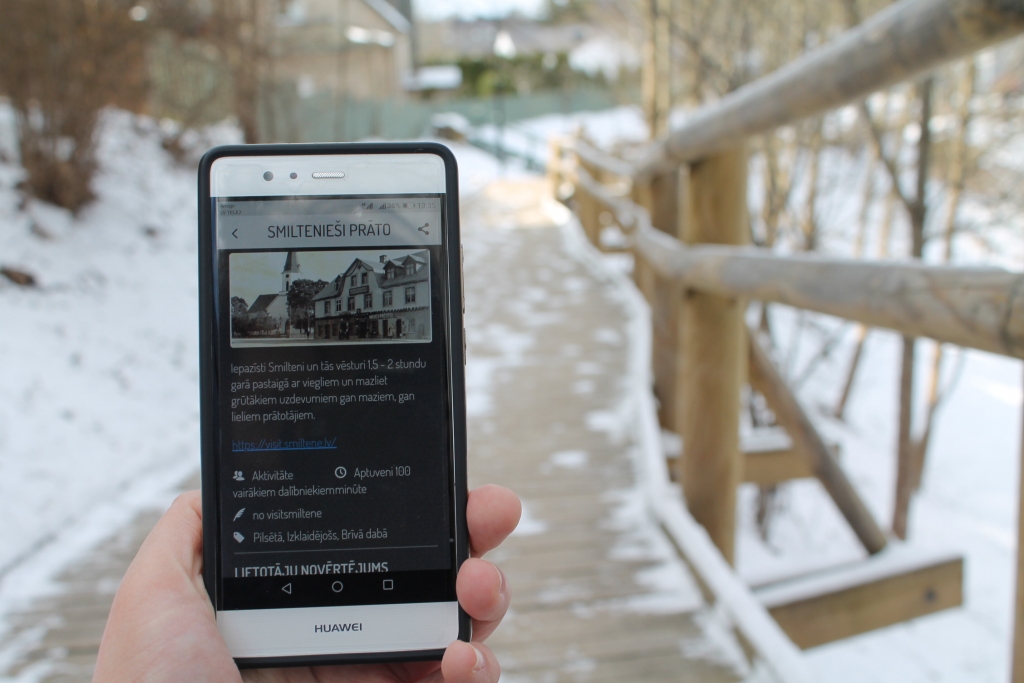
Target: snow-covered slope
x=98 y=380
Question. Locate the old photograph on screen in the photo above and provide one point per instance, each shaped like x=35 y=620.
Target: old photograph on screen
x=329 y=297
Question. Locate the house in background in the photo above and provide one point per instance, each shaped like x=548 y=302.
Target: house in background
x=360 y=48
x=385 y=300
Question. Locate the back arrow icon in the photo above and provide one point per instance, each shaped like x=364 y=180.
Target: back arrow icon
x=235 y=233
x=287 y=588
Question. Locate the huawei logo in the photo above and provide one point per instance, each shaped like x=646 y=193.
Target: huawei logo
x=337 y=628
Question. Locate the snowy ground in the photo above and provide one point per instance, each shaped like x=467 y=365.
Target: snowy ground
x=99 y=397
x=99 y=362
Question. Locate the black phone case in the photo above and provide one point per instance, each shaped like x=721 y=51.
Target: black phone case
x=208 y=382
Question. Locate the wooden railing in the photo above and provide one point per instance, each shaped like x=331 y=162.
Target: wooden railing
x=682 y=205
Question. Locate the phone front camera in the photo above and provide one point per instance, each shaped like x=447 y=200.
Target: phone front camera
x=268 y=176
x=293 y=176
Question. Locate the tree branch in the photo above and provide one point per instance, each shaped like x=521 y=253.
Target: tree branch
x=890 y=164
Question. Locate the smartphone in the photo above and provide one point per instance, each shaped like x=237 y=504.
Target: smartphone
x=332 y=401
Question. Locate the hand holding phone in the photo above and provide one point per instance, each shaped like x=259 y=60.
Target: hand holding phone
x=161 y=627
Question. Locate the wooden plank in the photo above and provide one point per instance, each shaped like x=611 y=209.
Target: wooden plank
x=839 y=604
x=980 y=308
x=898 y=43
x=768 y=458
x=769 y=467
x=806 y=439
x=712 y=366
x=772 y=467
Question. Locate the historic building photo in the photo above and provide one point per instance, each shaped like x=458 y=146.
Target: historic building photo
x=330 y=297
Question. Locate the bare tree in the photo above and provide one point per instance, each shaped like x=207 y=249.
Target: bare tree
x=61 y=62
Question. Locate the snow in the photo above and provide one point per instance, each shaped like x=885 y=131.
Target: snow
x=604 y=54
x=529 y=138
x=99 y=382
x=435 y=10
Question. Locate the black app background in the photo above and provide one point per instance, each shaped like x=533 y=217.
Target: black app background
x=355 y=493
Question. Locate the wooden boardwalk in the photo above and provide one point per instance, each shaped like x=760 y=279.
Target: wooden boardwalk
x=598 y=593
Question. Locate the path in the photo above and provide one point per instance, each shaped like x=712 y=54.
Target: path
x=598 y=593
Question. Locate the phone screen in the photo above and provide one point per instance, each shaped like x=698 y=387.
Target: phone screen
x=335 y=438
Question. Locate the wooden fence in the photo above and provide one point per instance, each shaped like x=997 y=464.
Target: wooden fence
x=683 y=207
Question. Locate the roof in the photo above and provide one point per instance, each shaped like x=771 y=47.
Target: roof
x=291 y=263
x=332 y=289
x=262 y=303
x=420 y=275
x=337 y=285
x=369 y=265
x=419 y=257
x=390 y=14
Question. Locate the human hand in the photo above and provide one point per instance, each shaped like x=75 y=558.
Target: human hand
x=162 y=626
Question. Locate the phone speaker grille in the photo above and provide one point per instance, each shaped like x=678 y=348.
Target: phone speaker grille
x=328 y=174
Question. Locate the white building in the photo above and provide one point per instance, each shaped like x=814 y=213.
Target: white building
x=385 y=300
x=270 y=311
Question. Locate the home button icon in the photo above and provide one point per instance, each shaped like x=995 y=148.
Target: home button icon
x=337 y=586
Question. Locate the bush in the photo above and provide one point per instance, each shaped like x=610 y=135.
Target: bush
x=61 y=62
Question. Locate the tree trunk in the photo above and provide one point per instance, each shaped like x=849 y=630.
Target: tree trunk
x=905 y=468
x=957 y=179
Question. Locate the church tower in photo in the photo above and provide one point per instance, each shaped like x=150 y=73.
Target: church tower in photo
x=274 y=307
x=291 y=268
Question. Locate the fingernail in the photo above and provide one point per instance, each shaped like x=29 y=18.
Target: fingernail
x=480 y=661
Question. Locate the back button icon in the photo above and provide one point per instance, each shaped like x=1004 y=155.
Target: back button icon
x=287 y=588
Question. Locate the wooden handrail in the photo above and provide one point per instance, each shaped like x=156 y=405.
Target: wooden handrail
x=598 y=158
x=902 y=41
x=980 y=308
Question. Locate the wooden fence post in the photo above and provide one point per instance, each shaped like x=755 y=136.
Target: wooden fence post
x=554 y=170
x=587 y=211
x=712 y=367
x=668 y=193
x=663 y=311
